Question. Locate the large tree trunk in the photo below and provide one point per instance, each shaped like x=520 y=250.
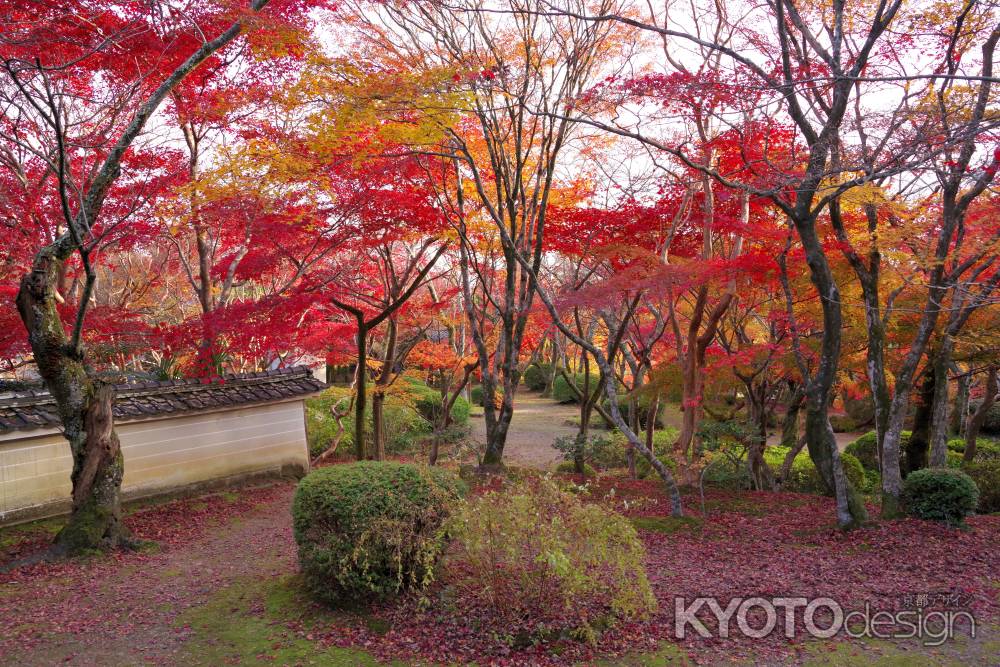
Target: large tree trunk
x=940 y=406
x=85 y=408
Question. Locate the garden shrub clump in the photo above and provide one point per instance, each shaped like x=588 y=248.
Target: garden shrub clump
x=536 y=376
x=371 y=529
x=410 y=414
x=567 y=467
x=429 y=403
x=535 y=552
x=663 y=444
x=986 y=450
x=992 y=423
x=986 y=475
x=940 y=494
x=804 y=478
x=561 y=391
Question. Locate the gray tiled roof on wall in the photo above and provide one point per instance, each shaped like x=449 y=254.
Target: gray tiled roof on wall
x=24 y=411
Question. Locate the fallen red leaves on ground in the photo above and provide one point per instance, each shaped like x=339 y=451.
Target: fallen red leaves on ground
x=745 y=544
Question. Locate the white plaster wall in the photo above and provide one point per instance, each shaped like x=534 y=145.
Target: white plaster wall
x=160 y=455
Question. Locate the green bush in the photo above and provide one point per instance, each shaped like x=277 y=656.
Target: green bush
x=986 y=475
x=535 y=552
x=864 y=448
x=593 y=449
x=804 y=478
x=371 y=529
x=567 y=467
x=940 y=494
x=536 y=376
x=727 y=473
x=645 y=400
x=404 y=425
x=429 y=403
x=986 y=450
x=561 y=391
x=843 y=423
x=992 y=423
x=321 y=428
x=477 y=395
x=663 y=446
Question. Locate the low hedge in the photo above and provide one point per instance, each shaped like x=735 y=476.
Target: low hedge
x=940 y=494
x=371 y=529
x=843 y=423
x=986 y=449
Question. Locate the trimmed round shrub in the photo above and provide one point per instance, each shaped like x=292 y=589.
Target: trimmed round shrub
x=544 y=563
x=727 y=474
x=940 y=494
x=370 y=529
x=477 y=395
x=404 y=425
x=644 y=402
x=429 y=404
x=805 y=478
x=536 y=376
x=561 y=391
x=864 y=448
x=859 y=407
x=986 y=475
x=843 y=423
x=567 y=467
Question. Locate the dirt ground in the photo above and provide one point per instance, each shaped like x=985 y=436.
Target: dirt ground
x=539 y=421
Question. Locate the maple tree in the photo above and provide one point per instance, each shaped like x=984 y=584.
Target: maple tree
x=75 y=109
x=752 y=213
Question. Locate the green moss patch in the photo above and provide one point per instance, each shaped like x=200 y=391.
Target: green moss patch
x=666 y=524
x=265 y=623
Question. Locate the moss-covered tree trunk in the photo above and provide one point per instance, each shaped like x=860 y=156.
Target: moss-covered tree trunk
x=917 y=446
x=85 y=409
x=790 y=423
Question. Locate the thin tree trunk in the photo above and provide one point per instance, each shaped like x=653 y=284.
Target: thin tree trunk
x=960 y=411
x=978 y=418
x=361 y=391
x=939 y=408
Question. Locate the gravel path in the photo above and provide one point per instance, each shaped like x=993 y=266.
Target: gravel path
x=537 y=422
